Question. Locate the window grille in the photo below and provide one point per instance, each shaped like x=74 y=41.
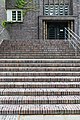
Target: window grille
x=56 y=9
x=66 y=9
x=61 y=9
x=46 y=10
x=13 y=15
x=51 y=10
x=19 y=15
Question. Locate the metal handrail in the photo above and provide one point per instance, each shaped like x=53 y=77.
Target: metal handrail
x=74 y=33
x=73 y=39
x=2 y=31
x=0 y=34
x=71 y=34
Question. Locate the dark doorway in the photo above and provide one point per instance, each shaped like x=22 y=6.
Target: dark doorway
x=56 y=30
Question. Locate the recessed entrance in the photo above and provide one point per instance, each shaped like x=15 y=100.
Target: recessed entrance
x=56 y=30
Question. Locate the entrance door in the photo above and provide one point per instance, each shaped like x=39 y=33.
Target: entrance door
x=56 y=30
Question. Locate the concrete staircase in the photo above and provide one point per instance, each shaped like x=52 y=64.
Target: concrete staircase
x=38 y=86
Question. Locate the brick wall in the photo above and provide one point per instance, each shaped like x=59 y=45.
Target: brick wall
x=5 y=34
x=31 y=28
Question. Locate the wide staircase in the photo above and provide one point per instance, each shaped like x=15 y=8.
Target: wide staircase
x=39 y=78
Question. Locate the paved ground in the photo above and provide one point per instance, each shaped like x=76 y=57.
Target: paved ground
x=40 y=117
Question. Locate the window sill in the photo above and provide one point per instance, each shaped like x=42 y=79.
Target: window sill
x=14 y=22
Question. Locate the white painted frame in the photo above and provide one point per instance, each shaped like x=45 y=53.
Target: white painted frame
x=9 y=15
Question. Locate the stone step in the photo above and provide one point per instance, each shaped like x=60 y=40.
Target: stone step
x=40 y=109
x=40 y=56
x=39 y=99
x=30 y=44
x=40 y=60
x=38 y=50
x=40 y=84
x=28 y=69
x=39 y=91
x=36 y=74
x=39 y=53
x=40 y=64
x=59 y=56
x=40 y=79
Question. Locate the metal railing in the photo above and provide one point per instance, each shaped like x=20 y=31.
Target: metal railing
x=1 y=34
x=73 y=39
x=2 y=31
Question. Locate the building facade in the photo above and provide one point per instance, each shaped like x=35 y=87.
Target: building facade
x=3 y=32
x=47 y=22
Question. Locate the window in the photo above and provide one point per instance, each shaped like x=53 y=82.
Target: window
x=46 y=10
x=61 y=9
x=19 y=15
x=66 y=9
x=57 y=9
x=51 y=9
x=14 y=16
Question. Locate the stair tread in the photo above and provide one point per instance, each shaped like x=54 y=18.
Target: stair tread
x=39 y=90
x=39 y=77
x=40 y=83
x=46 y=107
x=4 y=98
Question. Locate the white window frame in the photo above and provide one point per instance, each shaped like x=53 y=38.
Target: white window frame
x=9 y=15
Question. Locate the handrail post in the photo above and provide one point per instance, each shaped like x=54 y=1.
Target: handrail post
x=75 y=51
x=2 y=31
x=0 y=35
x=65 y=35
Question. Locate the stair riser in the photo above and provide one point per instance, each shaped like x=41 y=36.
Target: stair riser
x=40 y=112
x=39 y=57
x=39 y=93
x=39 y=86
x=39 y=80
x=39 y=74
x=40 y=102
x=39 y=69
x=40 y=65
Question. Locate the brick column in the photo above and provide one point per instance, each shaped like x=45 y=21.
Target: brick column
x=75 y=7
x=41 y=7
